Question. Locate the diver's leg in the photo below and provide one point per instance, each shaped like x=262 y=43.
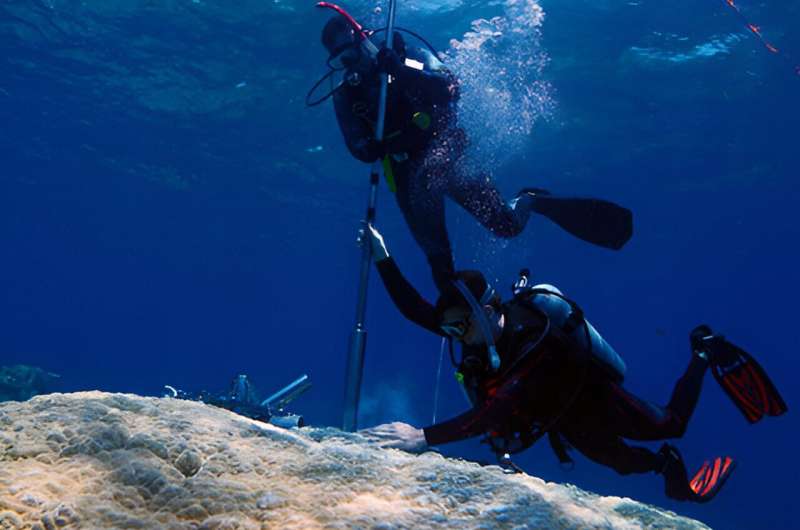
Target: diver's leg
x=638 y=419
x=687 y=392
x=613 y=452
x=480 y=197
x=423 y=209
x=593 y=220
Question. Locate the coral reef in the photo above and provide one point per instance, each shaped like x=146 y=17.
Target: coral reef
x=96 y=460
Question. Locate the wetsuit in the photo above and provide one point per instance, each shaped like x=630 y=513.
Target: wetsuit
x=425 y=156
x=595 y=415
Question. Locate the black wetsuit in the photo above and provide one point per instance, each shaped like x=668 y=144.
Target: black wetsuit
x=426 y=161
x=595 y=417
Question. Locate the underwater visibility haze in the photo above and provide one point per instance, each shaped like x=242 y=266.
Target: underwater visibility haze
x=172 y=213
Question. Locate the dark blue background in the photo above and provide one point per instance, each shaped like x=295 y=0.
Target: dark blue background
x=159 y=225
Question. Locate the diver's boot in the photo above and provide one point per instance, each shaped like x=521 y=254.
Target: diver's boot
x=699 y=340
x=704 y=485
x=676 y=481
x=523 y=203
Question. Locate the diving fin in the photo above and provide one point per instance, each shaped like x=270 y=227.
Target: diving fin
x=597 y=221
x=704 y=484
x=739 y=375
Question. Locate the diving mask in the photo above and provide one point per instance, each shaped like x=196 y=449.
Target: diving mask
x=479 y=316
x=456 y=329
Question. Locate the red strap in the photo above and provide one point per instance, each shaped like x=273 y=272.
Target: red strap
x=356 y=26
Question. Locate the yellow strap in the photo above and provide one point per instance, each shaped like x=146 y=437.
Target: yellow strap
x=388 y=173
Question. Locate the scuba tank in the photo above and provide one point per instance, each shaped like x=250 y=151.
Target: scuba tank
x=550 y=301
x=563 y=313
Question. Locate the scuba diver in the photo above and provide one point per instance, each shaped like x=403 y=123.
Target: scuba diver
x=534 y=366
x=423 y=149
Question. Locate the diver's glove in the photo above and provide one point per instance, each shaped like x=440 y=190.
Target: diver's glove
x=379 y=252
x=389 y=61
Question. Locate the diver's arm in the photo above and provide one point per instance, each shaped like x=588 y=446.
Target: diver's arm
x=398 y=435
x=359 y=138
x=483 y=418
x=467 y=425
x=498 y=408
x=406 y=437
x=410 y=303
x=413 y=306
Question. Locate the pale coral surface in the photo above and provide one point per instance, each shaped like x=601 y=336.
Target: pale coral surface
x=100 y=461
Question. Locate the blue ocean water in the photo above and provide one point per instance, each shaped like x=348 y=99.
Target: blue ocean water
x=172 y=213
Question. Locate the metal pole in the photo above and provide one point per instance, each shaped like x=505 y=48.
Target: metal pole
x=438 y=382
x=287 y=394
x=358 y=337
x=384 y=76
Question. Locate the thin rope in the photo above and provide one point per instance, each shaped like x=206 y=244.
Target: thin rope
x=438 y=380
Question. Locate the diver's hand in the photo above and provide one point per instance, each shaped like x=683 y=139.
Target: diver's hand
x=379 y=252
x=397 y=435
x=389 y=61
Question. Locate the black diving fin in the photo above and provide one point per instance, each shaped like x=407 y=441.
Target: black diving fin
x=739 y=375
x=597 y=221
